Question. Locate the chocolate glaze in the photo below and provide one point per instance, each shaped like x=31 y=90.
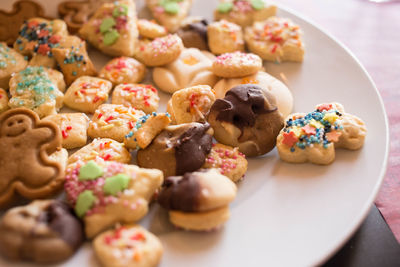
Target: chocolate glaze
x=242 y=104
x=200 y=27
x=59 y=218
x=194 y=34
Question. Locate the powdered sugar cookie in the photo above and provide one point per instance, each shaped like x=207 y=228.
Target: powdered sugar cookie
x=236 y=65
x=150 y=29
x=225 y=37
x=123 y=70
x=10 y=62
x=3 y=100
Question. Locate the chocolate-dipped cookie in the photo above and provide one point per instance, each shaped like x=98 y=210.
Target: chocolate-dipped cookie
x=178 y=149
x=193 y=33
x=247 y=118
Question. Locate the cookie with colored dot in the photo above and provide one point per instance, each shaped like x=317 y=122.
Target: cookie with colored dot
x=275 y=39
x=236 y=65
x=198 y=200
x=112 y=29
x=44 y=231
x=191 y=104
x=87 y=93
x=10 y=62
x=3 y=100
x=313 y=137
x=39 y=89
x=73 y=128
x=192 y=67
x=193 y=33
x=101 y=148
x=128 y=245
x=109 y=192
x=113 y=121
x=150 y=29
x=123 y=70
x=160 y=51
x=225 y=37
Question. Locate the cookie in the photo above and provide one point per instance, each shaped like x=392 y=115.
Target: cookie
x=169 y=13
x=128 y=245
x=11 y=21
x=113 y=121
x=139 y=96
x=73 y=128
x=25 y=146
x=39 y=89
x=248 y=118
x=101 y=148
x=228 y=161
x=178 y=149
x=61 y=157
x=44 y=231
x=3 y=100
x=193 y=67
x=86 y=93
x=313 y=137
x=225 y=37
x=112 y=29
x=198 y=200
x=10 y=62
x=244 y=12
x=123 y=70
x=284 y=98
x=150 y=29
x=236 y=65
x=160 y=51
x=191 y=104
x=193 y=33
x=146 y=129
x=275 y=39
x=104 y=193
x=73 y=59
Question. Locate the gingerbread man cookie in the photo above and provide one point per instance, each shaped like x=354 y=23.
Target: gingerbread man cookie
x=123 y=70
x=10 y=62
x=3 y=100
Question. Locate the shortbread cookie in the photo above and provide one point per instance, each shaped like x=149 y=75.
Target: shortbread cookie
x=169 y=13
x=248 y=118
x=225 y=37
x=44 y=231
x=86 y=93
x=113 y=121
x=191 y=104
x=123 y=70
x=160 y=51
x=313 y=137
x=39 y=89
x=193 y=67
x=150 y=29
x=128 y=245
x=275 y=39
x=139 y=96
x=73 y=128
x=244 y=12
x=73 y=59
x=193 y=33
x=104 y=193
x=228 y=161
x=146 y=129
x=10 y=62
x=236 y=65
x=101 y=148
x=112 y=29
x=25 y=165
x=3 y=100
x=198 y=200
x=178 y=149
x=284 y=98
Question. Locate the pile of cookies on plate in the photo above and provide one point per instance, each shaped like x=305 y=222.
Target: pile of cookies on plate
x=223 y=107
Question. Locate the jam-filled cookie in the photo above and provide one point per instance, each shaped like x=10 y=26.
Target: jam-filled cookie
x=10 y=62
x=123 y=70
x=225 y=37
x=236 y=65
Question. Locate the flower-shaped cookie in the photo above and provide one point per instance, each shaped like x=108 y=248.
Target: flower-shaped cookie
x=313 y=137
x=123 y=70
x=10 y=62
x=225 y=37
x=139 y=96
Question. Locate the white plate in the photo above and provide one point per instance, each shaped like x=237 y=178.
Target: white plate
x=287 y=214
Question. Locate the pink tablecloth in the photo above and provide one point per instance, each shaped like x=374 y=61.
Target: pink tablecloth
x=372 y=32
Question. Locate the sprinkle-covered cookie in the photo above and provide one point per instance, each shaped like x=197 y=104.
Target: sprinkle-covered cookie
x=236 y=65
x=123 y=70
x=225 y=37
x=10 y=62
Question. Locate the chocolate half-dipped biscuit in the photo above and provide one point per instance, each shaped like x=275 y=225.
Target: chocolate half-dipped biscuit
x=178 y=149
x=45 y=231
x=194 y=33
x=247 y=117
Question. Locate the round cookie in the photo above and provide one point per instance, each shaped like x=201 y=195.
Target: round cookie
x=150 y=29
x=248 y=118
x=284 y=98
x=44 y=231
x=225 y=37
x=178 y=149
x=236 y=65
x=123 y=70
x=128 y=245
x=193 y=33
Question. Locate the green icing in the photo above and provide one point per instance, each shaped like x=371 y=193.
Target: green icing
x=90 y=171
x=121 y=10
x=107 y=25
x=171 y=7
x=84 y=202
x=225 y=7
x=257 y=4
x=116 y=183
x=110 y=37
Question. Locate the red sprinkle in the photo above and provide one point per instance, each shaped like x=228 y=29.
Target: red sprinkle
x=55 y=39
x=131 y=124
x=69 y=128
x=100 y=115
x=289 y=139
x=96 y=98
x=273 y=50
x=138 y=236
x=106 y=157
x=109 y=118
x=43 y=33
x=64 y=134
x=43 y=49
